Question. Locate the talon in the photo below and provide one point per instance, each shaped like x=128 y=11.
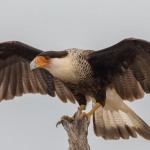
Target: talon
x=88 y=115
x=70 y=119
x=82 y=115
x=82 y=107
x=58 y=123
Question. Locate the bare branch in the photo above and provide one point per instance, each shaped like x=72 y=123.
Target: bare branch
x=77 y=131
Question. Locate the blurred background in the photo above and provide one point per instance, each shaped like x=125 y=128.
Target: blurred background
x=28 y=122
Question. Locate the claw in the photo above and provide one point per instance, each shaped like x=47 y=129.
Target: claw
x=88 y=115
x=70 y=119
x=82 y=107
x=58 y=123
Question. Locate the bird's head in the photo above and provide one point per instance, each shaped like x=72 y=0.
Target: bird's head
x=40 y=62
x=45 y=59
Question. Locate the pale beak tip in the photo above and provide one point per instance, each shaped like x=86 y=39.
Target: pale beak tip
x=33 y=65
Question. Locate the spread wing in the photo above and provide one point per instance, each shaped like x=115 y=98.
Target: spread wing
x=125 y=66
x=17 y=79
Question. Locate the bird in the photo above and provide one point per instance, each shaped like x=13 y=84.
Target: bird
x=107 y=77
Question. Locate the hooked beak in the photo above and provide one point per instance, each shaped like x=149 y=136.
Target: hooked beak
x=33 y=65
x=39 y=62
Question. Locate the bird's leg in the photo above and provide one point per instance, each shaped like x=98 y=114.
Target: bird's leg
x=82 y=107
x=89 y=114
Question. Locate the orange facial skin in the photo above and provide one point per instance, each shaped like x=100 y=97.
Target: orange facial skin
x=42 y=62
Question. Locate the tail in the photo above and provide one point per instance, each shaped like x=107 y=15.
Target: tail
x=116 y=120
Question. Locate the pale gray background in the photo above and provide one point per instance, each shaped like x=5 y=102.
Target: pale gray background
x=28 y=122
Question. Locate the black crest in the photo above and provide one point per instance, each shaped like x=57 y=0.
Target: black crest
x=54 y=54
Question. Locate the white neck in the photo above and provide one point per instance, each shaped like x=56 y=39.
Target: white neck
x=62 y=68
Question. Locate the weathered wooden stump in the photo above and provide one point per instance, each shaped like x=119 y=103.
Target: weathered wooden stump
x=77 y=131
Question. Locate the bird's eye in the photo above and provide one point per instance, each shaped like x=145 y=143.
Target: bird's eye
x=47 y=57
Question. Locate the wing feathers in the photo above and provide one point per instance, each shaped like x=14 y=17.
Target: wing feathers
x=6 y=82
x=121 y=125
x=40 y=82
x=19 y=84
x=63 y=92
x=128 y=91
x=16 y=79
x=98 y=122
x=13 y=80
x=25 y=78
x=124 y=65
x=107 y=124
x=69 y=95
x=60 y=90
x=115 y=132
x=119 y=121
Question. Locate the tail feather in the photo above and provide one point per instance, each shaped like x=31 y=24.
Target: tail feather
x=116 y=120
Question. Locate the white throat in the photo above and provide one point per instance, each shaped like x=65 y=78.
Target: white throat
x=62 y=68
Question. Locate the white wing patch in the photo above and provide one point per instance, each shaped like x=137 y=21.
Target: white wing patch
x=125 y=118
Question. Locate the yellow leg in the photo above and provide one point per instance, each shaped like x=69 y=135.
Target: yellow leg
x=89 y=114
x=82 y=107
